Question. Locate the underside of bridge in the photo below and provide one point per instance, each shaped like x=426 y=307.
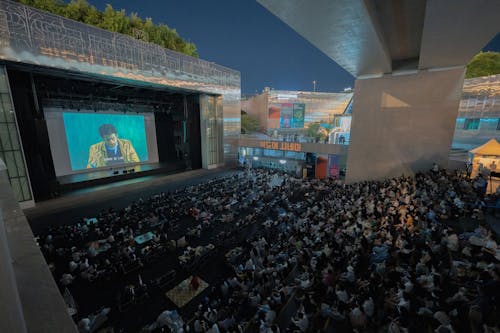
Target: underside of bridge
x=409 y=60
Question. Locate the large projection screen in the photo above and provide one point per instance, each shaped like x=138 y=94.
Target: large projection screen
x=83 y=141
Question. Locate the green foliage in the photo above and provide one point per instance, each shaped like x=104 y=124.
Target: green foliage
x=483 y=64
x=52 y=6
x=249 y=124
x=117 y=21
x=313 y=130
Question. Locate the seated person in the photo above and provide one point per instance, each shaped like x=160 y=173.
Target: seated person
x=195 y=282
x=301 y=322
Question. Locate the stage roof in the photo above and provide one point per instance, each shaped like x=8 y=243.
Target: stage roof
x=34 y=37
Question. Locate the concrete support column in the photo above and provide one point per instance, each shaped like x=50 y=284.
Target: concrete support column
x=211 y=127
x=204 y=131
x=403 y=123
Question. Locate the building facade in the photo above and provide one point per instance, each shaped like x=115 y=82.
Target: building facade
x=283 y=113
x=477 y=122
x=34 y=42
x=478 y=117
x=298 y=132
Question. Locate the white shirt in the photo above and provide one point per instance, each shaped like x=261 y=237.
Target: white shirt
x=214 y=329
x=368 y=307
x=302 y=324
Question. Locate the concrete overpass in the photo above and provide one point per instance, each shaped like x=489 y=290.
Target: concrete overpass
x=408 y=58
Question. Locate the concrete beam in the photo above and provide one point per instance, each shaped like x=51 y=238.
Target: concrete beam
x=345 y=30
x=455 y=30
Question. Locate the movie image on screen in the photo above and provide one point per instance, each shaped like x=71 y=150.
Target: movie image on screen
x=97 y=140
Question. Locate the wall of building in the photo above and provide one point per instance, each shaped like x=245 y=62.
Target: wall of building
x=256 y=106
x=319 y=106
x=306 y=147
x=478 y=117
x=27 y=289
x=403 y=124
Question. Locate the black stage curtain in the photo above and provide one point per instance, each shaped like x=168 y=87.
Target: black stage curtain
x=194 y=130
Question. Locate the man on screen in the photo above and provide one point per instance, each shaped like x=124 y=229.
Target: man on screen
x=111 y=151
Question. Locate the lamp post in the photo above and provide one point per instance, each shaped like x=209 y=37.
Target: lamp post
x=314 y=86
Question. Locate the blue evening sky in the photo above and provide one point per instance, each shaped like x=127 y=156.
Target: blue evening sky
x=242 y=35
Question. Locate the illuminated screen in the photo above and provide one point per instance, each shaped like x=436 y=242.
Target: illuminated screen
x=100 y=140
x=97 y=140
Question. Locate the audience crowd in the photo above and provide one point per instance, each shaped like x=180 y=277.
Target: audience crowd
x=410 y=254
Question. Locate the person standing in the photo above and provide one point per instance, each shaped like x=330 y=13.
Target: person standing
x=493 y=167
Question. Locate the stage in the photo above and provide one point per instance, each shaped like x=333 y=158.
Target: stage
x=83 y=180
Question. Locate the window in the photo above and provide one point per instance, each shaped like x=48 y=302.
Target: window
x=488 y=124
x=273 y=153
x=471 y=124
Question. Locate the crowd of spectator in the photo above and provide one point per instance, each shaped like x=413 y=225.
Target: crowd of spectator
x=405 y=254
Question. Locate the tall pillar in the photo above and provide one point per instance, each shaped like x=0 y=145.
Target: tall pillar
x=211 y=126
x=403 y=123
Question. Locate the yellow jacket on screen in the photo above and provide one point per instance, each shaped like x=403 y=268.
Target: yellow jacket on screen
x=98 y=154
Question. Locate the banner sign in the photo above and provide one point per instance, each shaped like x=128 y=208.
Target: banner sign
x=298 y=115
x=333 y=166
x=274 y=117
x=286 y=115
x=280 y=145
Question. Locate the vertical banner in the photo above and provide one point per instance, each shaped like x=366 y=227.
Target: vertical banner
x=321 y=167
x=333 y=166
x=286 y=115
x=298 y=115
x=274 y=117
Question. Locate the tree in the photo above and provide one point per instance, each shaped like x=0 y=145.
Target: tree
x=483 y=64
x=93 y=17
x=114 y=20
x=249 y=124
x=117 y=21
x=77 y=10
x=314 y=130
